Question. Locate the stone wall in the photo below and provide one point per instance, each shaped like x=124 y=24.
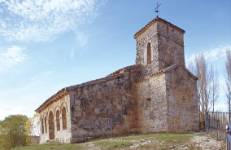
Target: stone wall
x=182 y=101
x=103 y=109
x=151 y=95
x=171 y=45
x=64 y=135
x=141 y=102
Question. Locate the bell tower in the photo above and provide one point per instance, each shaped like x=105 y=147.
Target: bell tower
x=160 y=44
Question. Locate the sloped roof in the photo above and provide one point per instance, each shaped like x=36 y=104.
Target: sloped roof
x=157 y=19
x=66 y=90
x=122 y=70
x=172 y=67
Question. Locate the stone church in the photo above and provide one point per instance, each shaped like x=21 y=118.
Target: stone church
x=157 y=94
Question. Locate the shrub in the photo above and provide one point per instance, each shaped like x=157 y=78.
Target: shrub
x=14 y=131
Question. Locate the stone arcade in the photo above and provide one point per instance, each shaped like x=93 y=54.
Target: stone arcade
x=157 y=94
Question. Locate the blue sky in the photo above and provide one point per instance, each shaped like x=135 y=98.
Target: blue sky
x=48 y=45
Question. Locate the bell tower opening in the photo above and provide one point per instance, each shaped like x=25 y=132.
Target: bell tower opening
x=160 y=44
x=149 y=54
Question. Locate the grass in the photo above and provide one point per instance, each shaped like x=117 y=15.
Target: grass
x=113 y=144
x=179 y=138
x=160 y=141
x=52 y=147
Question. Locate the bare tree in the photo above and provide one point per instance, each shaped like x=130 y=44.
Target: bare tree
x=203 y=83
x=214 y=87
x=207 y=86
x=228 y=80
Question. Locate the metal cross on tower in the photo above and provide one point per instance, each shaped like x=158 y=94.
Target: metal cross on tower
x=157 y=8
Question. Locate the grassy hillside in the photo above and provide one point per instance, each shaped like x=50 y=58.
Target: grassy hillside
x=161 y=141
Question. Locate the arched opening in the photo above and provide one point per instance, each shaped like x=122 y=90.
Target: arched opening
x=45 y=123
x=149 y=53
x=64 y=118
x=57 y=121
x=42 y=126
x=51 y=126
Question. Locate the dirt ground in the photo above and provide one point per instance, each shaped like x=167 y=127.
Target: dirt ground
x=159 y=141
x=205 y=142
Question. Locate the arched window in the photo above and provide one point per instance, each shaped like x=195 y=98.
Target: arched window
x=57 y=121
x=42 y=126
x=149 y=53
x=45 y=122
x=64 y=118
x=51 y=126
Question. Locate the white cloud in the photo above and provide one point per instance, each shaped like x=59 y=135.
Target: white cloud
x=41 y=20
x=211 y=55
x=11 y=56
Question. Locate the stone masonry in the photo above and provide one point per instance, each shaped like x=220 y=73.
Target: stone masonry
x=157 y=94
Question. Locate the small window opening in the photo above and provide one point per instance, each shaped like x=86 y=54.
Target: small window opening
x=149 y=58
